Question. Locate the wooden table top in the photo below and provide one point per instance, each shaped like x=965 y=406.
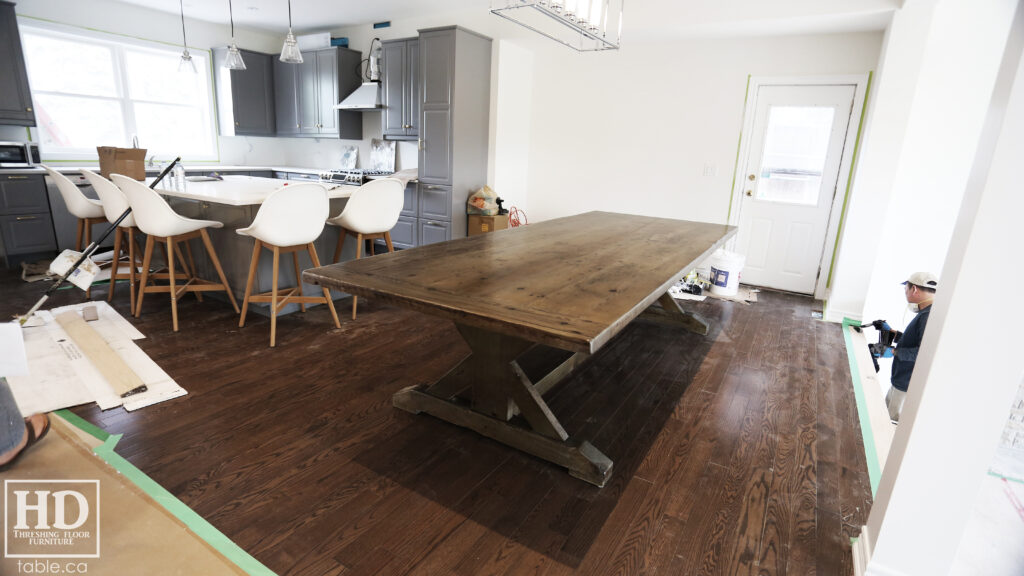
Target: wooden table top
x=243 y=190
x=572 y=282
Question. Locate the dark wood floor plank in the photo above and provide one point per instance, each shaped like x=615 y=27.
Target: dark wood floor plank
x=735 y=453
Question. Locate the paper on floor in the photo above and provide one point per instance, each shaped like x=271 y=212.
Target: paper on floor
x=12 y=350
x=61 y=376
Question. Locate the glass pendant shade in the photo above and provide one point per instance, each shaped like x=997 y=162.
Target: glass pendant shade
x=234 y=58
x=290 y=51
x=186 y=63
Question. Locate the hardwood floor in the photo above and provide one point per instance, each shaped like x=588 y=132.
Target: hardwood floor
x=735 y=453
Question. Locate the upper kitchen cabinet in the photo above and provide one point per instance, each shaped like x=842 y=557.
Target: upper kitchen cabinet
x=245 y=98
x=15 y=98
x=455 y=68
x=286 y=98
x=308 y=92
x=400 y=66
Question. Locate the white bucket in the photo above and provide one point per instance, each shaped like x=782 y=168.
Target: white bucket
x=725 y=272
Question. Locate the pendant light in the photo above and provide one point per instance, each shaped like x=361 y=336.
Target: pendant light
x=290 y=51
x=234 y=59
x=186 y=62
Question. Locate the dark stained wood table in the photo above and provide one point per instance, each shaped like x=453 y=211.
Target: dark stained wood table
x=571 y=283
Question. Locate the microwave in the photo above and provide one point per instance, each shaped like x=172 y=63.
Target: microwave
x=19 y=154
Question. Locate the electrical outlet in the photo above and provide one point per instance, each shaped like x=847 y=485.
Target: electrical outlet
x=710 y=170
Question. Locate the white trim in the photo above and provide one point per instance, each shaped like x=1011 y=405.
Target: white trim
x=859 y=81
x=861 y=552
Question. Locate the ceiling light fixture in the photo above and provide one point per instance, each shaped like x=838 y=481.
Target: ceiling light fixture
x=186 y=62
x=290 y=51
x=234 y=59
x=582 y=25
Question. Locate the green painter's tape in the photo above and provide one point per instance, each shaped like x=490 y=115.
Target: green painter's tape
x=196 y=523
x=736 y=166
x=193 y=521
x=83 y=425
x=849 y=181
x=1009 y=478
x=870 y=453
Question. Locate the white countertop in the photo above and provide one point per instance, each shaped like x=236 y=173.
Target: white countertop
x=188 y=168
x=244 y=190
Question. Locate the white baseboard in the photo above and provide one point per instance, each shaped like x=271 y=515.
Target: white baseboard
x=861 y=552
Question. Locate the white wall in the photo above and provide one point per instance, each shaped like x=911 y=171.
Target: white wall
x=934 y=83
x=957 y=403
x=631 y=131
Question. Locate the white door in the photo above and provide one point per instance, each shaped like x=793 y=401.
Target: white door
x=789 y=182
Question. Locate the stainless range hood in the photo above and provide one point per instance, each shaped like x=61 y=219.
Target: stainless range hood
x=366 y=97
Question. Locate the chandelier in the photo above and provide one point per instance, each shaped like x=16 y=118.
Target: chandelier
x=583 y=25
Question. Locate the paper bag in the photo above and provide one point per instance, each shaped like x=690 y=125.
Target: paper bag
x=130 y=162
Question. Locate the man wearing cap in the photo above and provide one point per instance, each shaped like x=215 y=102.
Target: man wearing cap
x=919 y=290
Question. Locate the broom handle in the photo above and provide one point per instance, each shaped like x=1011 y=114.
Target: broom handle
x=92 y=248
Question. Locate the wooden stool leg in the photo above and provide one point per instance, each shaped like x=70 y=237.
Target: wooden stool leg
x=131 y=270
x=298 y=278
x=192 y=265
x=256 y=250
x=78 y=235
x=273 y=298
x=341 y=243
x=327 y=293
x=359 y=246
x=116 y=264
x=145 y=274
x=170 y=274
x=387 y=240
x=216 y=265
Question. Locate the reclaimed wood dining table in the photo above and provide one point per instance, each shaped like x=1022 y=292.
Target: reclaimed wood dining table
x=570 y=283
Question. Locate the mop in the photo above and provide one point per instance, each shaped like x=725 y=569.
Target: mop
x=82 y=270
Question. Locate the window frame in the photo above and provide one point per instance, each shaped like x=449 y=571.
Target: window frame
x=119 y=45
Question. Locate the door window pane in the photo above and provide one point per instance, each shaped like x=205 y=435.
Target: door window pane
x=69 y=122
x=795 y=147
x=60 y=65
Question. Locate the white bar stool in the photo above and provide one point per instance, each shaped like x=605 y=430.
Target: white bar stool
x=161 y=223
x=370 y=213
x=114 y=204
x=289 y=220
x=87 y=210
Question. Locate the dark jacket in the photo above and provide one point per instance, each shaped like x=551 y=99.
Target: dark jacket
x=905 y=354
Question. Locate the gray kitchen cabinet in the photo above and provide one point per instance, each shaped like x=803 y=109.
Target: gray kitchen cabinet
x=262 y=173
x=455 y=76
x=411 y=201
x=400 y=88
x=403 y=235
x=432 y=231
x=245 y=98
x=323 y=79
x=26 y=226
x=15 y=98
x=286 y=98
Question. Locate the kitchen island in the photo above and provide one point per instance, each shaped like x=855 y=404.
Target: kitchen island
x=234 y=201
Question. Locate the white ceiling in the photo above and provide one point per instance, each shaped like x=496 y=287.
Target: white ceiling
x=650 y=18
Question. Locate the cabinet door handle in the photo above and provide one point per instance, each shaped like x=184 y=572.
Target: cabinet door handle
x=434 y=187
x=422 y=144
x=29 y=109
x=23 y=218
x=17 y=177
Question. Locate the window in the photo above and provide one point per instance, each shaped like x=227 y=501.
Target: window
x=795 y=149
x=92 y=89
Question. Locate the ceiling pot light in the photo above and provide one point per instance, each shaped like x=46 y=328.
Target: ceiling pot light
x=234 y=59
x=290 y=51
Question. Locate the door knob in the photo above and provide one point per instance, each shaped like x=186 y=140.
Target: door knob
x=751 y=177
x=749 y=193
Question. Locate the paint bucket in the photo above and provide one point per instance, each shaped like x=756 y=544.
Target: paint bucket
x=725 y=272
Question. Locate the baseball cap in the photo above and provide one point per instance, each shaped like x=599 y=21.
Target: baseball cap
x=923 y=279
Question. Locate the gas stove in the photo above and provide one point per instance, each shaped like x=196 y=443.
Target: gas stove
x=352 y=177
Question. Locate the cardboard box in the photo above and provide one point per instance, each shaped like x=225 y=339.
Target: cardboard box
x=130 y=162
x=479 y=224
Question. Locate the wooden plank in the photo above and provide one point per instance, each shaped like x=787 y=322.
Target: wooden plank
x=118 y=374
x=572 y=283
